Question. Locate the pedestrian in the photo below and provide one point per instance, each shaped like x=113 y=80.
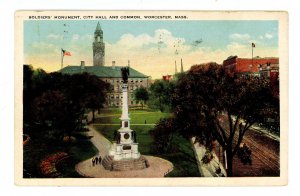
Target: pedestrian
x=99 y=160
x=93 y=161
x=96 y=160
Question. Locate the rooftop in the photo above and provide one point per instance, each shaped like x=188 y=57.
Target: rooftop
x=102 y=71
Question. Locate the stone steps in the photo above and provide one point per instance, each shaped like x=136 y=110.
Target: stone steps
x=124 y=165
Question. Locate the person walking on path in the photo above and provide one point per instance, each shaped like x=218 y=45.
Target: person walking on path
x=99 y=160
x=93 y=161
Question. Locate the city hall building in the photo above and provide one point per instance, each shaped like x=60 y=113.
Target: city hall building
x=110 y=74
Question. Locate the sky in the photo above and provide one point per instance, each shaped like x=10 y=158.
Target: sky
x=151 y=46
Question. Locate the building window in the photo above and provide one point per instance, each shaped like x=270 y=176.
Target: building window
x=131 y=102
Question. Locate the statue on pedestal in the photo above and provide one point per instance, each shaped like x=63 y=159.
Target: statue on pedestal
x=125 y=74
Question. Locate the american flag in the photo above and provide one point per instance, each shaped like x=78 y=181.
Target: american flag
x=65 y=53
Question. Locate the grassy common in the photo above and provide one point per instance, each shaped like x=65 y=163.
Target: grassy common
x=136 y=116
x=182 y=158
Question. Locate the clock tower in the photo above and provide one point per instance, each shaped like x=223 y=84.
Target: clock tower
x=98 y=47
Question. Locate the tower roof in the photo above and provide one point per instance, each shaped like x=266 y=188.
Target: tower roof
x=98 y=28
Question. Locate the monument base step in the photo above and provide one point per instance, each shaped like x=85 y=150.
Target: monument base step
x=126 y=164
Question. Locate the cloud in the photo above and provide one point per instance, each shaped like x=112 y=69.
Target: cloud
x=237 y=36
x=55 y=37
x=75 y=37
x=268 y=36
x=153 y=54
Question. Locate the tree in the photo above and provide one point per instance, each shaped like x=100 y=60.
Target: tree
x=87 y=91
x=141 y=95
x=162 y=135
x=59 y=100
x=160 y=92
x=51 y=112
x=211 y=104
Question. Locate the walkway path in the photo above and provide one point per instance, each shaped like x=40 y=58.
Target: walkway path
x=207 y=170
x=158 y=167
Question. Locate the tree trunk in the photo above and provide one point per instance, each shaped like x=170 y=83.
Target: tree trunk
x=229 y=160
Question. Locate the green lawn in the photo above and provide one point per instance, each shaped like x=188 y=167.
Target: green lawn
x=182 y=158
x=143 y=137
x=136 y=116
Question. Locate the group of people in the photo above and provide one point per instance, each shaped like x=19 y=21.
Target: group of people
x=96 y=160
x=244 y=153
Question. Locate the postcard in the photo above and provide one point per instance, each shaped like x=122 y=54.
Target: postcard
x=151 y=98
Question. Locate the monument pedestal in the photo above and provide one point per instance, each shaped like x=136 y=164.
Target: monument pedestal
x=124 y=153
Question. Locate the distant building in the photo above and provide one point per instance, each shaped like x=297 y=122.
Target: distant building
x=167 y=77
x=271 y=72
x=110 y=74
x=245 y=66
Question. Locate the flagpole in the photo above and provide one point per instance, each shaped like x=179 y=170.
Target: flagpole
x=252 y=55
x=62 y=59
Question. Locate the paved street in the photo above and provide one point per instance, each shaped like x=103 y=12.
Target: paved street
x=265 y=155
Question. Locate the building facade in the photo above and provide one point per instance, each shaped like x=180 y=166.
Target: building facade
x=110 y=74
x=234 y=64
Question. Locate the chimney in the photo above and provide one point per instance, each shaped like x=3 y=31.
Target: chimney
x=128 y=63
x=113 y=64
x=82 y=64
x=175 y=67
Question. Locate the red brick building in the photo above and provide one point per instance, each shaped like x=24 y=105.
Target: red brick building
x=167 y=77
x=271 y=71
x=244 y=65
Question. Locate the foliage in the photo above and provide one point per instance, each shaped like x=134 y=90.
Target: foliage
x=162 y=135
x=54 y=104
x=48 y=165
x=160 y=94
x=211 y=104
x=141 y=95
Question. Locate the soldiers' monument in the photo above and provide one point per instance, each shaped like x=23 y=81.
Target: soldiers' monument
x=124 y=154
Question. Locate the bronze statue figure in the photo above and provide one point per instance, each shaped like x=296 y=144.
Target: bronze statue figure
x=125 y=74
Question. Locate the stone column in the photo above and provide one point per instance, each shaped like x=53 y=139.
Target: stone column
x=125 y=117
